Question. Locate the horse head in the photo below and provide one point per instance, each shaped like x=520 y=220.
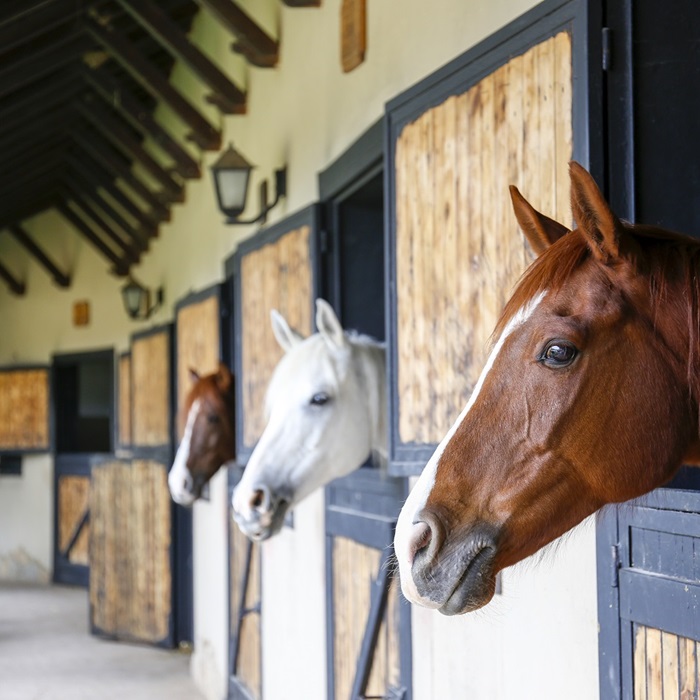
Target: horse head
x=323 y=420
x=208 y=438
x=589 y=397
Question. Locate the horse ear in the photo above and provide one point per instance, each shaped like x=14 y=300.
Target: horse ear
x=223 y=378
x=594 y=218
x=328 y=324
x=286 y=336
x=540 y=230
x=194 y=375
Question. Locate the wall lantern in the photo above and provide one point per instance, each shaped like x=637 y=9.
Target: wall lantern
x=231 y=174
x=137 y=300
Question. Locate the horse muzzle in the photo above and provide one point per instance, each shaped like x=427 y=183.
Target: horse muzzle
x=259 y=514
x=453 y=574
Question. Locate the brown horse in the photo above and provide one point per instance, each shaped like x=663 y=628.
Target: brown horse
x=590 y=396
x=208 y=434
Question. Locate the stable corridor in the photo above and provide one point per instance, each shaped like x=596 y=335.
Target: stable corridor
x=47 y=653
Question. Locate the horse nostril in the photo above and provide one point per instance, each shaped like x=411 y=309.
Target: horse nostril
x=427 y=536
x=260 y=499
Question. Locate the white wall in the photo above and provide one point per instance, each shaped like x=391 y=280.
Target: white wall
x=303 y=113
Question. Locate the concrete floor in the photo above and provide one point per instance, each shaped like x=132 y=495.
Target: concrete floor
x=47 y=653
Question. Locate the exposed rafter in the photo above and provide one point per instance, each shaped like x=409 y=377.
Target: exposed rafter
x=253 y=42
x=227 y=97
x=141 y=70
x=118 y=96
x=23 y=238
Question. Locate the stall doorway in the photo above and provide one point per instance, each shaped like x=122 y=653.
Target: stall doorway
x=83 y=416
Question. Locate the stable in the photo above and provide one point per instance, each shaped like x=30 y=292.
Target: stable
x=384 y=137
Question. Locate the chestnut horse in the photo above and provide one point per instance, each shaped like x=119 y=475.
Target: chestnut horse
x=208 y=434
x=589 y=396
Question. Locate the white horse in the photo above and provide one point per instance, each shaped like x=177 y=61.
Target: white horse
x=325 y=408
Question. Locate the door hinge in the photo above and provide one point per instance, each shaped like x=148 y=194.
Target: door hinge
x=614 y=565
x=606 y=44
x=323 y=240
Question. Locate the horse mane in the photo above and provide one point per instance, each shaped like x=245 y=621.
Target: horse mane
x=670 y=261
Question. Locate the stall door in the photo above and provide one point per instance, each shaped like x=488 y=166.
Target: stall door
x=272 y=270
x=369 y=631
x=131 y=582
x=648 y=574
x=83 y=398
x=457 y=141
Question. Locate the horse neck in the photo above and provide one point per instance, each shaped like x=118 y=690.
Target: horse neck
x=370 y=362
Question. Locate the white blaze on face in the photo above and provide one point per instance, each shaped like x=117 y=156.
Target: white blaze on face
x=418 y=497
x=179 y=478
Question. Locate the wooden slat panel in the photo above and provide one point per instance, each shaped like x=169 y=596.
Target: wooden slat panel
x=24 y=409
x=130 y=576
x=72 y=502
x=125 y=400
x=150 y=371
x=354 y=568
x=198 y=342
x=458 y=248
x=664 y=665
x=249 y=667
x=275 y=276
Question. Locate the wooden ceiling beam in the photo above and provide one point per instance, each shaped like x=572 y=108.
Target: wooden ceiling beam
x=77 y=182
x=42 y=97
x=26 y=209
x=227 y=96
x=14 y=285
x=104 y=155
x=100 y=177
x=119 y=98
x=35 y=23
x=121 y=265
x=253 y=42
x=40 y=64
x=26 y=241
x=152 y=80
x=108 y=124
x=302 y=3
x=130 y=251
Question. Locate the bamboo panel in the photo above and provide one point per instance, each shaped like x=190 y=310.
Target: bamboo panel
x=130 y=573
x=72 y=502
x=458 y=248
x=664 y=665
x=249 y=666
x=355 y=566
x=276 y=276
x=24 y=409
x=198 y=342
x=125 y=400
x=150 y=372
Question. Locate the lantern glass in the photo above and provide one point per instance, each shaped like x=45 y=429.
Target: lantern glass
x=133 y=296
x=231 y=174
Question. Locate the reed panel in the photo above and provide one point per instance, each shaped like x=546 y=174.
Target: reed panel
x=664 y=665
x=24 y=409
x=130 y=573
x=276 y=276
x=73 y=496
x=198 y=342
x=150 y=389
x=355 y=568
x=459 y=251
x=248 y=669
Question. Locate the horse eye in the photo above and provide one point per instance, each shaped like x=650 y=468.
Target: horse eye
x=212 y=418
x=320 y=399
x=558 y=353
